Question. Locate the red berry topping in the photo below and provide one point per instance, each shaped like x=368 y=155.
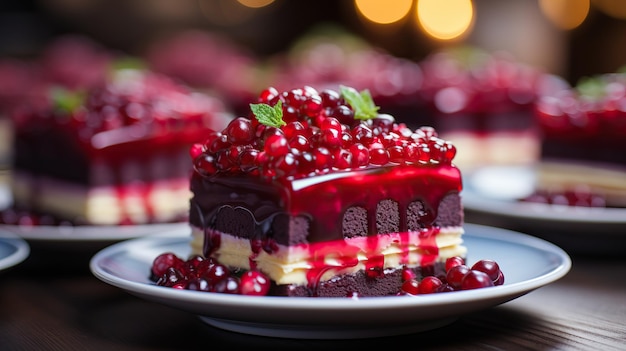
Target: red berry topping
x=165 y=261
x=453 y=262
x=475 y=280
x=239 y=131
x=411 y=287
x=335 y=130
x=254 y=283
x=430 y=285
x=206 y=274
x=455 y=275
x=489 y=267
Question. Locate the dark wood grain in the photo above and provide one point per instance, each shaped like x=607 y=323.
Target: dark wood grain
x=52 y=302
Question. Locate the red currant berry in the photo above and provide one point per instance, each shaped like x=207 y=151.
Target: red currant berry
x=454 y=261
x=430 y=285
x=410 y=287
x=476 y=280
x=489 y=267
x=455 y=275
x=239 y=131
x=254 y=283
x=164 y=261
x=276 y=145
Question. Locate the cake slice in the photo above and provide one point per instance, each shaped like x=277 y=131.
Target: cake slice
x=583 y=129
x=113 y=154
x=483 y=102
x=326 y=196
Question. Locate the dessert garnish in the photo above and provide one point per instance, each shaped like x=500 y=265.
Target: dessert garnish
x=206 y=274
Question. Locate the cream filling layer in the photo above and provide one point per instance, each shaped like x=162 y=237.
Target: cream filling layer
x=499 y=147
x=295 y=264
x=160 y=201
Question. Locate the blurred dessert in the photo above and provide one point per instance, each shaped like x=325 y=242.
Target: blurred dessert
x=72 y=60
x=75 y=61
x=17 y=79
x=328 y=57
x=115 y=152
x=483 y=102
x=583 y=130
x=209 y=62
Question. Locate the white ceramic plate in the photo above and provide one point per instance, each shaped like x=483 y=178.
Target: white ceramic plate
x=13 y=250
x=527 y=262
x=495 y=190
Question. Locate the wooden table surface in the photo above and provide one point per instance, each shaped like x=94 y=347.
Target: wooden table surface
x=51 y=301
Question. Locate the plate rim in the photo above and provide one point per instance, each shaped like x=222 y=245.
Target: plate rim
x=515 y=289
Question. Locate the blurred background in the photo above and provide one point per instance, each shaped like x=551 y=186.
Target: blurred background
x=571 y=38
x=500 y=53
x=491 y=76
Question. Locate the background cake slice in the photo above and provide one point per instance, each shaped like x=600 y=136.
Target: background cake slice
x=583 y=130
x=116 y=153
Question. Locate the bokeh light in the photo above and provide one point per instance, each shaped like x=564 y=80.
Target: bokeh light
x=255 y=3
x=565 y=14
x=382 y=11
x=445 y=19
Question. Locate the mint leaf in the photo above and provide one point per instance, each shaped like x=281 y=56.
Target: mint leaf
x=268 y=115
x=361 y=102
x=593 y=87
x=65 y=100
x=128 y=62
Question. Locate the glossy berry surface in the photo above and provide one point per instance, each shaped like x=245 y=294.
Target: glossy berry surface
x=202 y=274
x=458 y=276
x=316 y=133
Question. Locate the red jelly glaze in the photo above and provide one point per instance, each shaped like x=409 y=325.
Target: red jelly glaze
x=327 y=197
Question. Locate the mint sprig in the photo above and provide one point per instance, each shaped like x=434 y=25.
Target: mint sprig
x=592 y=87
x=268 y=115
x=362 y=102
x=66 y=101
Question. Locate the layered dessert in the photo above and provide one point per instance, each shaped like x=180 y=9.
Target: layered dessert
x=73 y=61
x=583 y=129
x=327 y=57
x=16 y=81
x=325 y=196
x=209 y=62
x=483 y=102
x=117 y=153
